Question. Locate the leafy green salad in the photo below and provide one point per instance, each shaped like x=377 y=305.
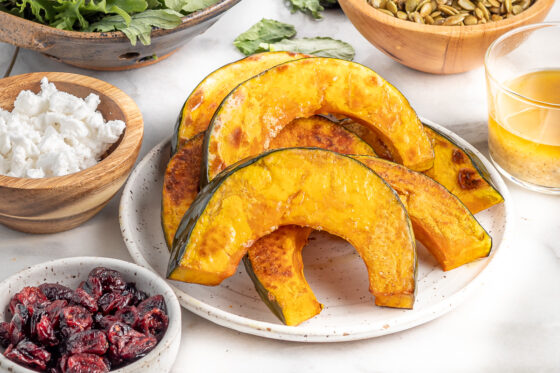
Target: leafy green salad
x=135 y=18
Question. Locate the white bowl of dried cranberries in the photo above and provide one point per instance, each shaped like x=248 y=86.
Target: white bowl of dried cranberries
x=88 y=315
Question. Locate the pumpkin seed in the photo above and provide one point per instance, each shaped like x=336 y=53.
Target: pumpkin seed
x=516 y=9
x=391 y=6
x=386 y=12
x=470 y=20
x=451 y=12
x=426 y=9
x=402 y=15
x=466 y=4
x=411 y=5
x=417 y=17
x=454 y=20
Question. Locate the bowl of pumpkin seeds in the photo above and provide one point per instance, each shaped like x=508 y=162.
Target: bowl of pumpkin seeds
x=440 y=36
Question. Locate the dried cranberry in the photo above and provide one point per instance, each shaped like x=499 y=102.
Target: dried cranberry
x=111 y=280
x=29 y=354
x=86 y=363
x=105 y=322
x=88 y=341
x=30 y=297
x=113 y=301
x=151 y=303
x=127 y=343
x=54 y=310
x=93 y=287
x=6 y=334
x=154 y=323
x=74 y=319
x=128 y=315
x=137 y=295
x=56 y=292
x=44 y=331
x=19 y=324
x=84 y=299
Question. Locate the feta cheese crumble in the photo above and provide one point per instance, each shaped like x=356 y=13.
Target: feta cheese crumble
x=53 y=133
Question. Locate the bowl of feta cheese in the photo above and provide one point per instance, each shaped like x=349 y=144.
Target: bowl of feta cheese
x=67 y=144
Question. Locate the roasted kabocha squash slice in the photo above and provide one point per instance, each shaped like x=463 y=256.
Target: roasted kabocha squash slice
x=180 y=185
x=456 y=168
x=256 y=110
x=462 y=173
x=288 y=187
x=206 y=97
x=181 y=179
x=275 y=266
x=440 y=221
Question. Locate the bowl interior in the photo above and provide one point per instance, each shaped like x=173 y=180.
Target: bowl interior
x=71 y=271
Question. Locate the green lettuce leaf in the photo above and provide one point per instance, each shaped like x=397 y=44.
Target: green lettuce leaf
x=141 y=24
x=320 y=46
x=265 y=31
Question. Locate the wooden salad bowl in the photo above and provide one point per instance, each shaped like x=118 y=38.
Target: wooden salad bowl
x=106 y=50
x=435 y=49
x=57 y=204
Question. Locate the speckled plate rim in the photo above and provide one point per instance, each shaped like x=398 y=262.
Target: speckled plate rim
x=302 y=333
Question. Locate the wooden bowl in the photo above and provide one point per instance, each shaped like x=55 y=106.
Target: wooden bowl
x=57 y=204
x=435 y=49
x=106 y=50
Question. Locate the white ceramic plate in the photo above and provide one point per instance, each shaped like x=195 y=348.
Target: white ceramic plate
x=332 y=267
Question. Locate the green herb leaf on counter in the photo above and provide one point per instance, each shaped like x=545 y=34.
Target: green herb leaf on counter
x=141 y=24
x=319 y=46
x=265 y=31
x=312 y=7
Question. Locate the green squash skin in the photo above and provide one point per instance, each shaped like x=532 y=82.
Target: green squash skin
x=476 y=162
x=184 y=231
x=204 y=176
x=261 y=290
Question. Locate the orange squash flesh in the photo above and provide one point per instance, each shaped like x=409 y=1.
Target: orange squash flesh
x=458 y=172
x=207 y=96
x=275 y=265
x=440 y=221
x=453 y=168
x=182 y=175
x=288 y=187
x=256 y=110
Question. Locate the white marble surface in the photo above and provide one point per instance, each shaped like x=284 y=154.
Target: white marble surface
x=511 y=324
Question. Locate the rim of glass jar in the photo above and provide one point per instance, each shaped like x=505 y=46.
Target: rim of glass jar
x=507 y=89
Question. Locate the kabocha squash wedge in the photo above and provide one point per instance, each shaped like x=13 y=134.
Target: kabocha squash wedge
x=206 y=97
x=182 y=175
x=180 y=185
x=275 y=266
x=457 y=169
x=288 y=187
x=462 y=173
x=440 y=221
x=256 y=110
